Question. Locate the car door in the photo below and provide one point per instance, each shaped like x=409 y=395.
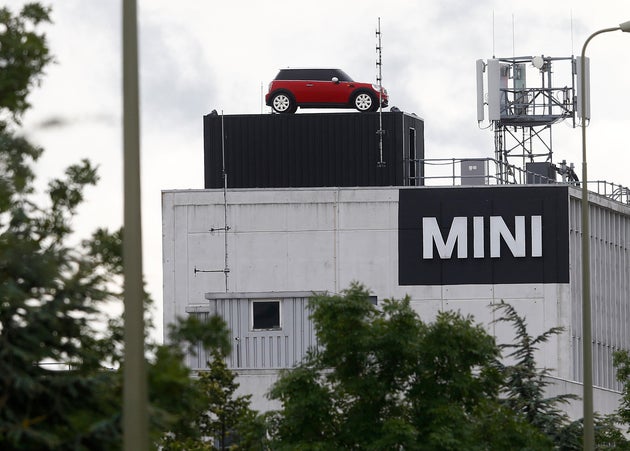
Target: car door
x=323 y=90
x=340 y=91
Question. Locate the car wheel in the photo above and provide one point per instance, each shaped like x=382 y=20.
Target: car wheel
x=283 y=103
x=364 y=101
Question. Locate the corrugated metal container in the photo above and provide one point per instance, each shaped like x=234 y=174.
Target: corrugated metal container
x=313 y=150
x=278 y=347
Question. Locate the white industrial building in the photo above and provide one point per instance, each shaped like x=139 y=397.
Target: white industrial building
x=308 y=203
x=254 y=256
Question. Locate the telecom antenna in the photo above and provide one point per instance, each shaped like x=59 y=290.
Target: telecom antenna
x=524 y=97
x=379 y=82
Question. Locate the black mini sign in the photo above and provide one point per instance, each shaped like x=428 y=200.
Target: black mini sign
x=483 y=235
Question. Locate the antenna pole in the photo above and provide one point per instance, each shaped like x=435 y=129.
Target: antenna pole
x=572 y=47
x=226 y=227
x=225 y=224
x=513 y=38
x=493 y=52
x=379 y=82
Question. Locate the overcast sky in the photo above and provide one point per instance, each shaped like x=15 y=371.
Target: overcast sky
x=199 y=55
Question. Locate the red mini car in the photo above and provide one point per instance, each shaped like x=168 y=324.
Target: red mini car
x=322 y=88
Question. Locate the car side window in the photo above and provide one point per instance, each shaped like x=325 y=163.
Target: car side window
x=303 y=75
x=315 y=75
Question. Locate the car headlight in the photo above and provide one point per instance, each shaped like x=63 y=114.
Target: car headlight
x=377 y=88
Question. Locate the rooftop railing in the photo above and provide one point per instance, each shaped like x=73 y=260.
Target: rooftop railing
x=488 y=171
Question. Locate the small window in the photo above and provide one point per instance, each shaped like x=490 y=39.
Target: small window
x=265 y=315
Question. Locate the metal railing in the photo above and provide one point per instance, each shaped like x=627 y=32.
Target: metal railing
x=610 y=190
x=544 y=102
x=489 y=171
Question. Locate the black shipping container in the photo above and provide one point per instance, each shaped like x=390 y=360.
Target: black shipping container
x=313 y=150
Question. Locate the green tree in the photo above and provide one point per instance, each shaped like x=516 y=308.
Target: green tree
x=50 y=287
x=60 y=383
x=384 y=379
x=526 y=383
x=50 y=292
x=24 y=54
x=525 y=391
x=621 y=361
x=218 y=415
x=58 y=380
x=225 y=410
x=177 y=396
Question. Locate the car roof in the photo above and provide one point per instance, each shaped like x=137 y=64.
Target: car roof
x=309 y=67
x=304 y=73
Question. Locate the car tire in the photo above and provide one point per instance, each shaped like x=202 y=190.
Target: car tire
x=283 y=103
x=364 y=102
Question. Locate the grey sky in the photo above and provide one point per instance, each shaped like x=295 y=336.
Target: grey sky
x=196 y=56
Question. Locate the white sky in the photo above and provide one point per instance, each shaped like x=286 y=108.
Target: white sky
x=196 y=56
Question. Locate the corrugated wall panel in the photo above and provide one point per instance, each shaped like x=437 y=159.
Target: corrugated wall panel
x=610 y=287
x=259 y=349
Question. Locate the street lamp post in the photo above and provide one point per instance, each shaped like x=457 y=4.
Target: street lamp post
x=587 y=352
x=135 y=404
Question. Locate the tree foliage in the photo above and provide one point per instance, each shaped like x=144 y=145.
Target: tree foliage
x=608 y=426
x=24 y=54
x=60 y=355
x=525 y=392
x=384 y=379
x=225 y=410
x=50 y=293
x=50 y=288
x=220 y=417
x=622 y=363
x=525 y=382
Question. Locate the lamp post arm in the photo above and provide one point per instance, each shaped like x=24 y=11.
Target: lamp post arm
x=624 y=27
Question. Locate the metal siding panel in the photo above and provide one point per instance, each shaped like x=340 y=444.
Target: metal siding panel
x=297 y=331
x=575 y=278
x=610 y=265
x=283 y=348
x=304 y=322
x=230 y=316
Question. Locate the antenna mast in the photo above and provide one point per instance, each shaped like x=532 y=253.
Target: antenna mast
x=379 y=82
x=225 y=229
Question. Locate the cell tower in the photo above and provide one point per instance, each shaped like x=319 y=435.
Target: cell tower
x=524 y=97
